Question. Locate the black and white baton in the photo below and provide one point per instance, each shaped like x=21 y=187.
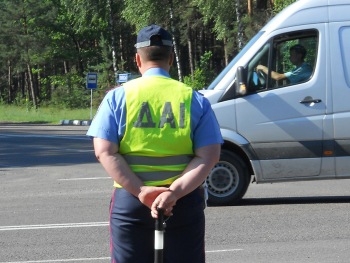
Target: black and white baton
x=159 y=237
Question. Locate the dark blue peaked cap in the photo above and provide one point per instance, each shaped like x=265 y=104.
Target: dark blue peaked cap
x=153 y=35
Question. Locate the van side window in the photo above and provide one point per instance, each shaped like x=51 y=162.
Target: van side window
x=286 y=60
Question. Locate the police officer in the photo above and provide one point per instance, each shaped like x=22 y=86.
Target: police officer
x=158 y=140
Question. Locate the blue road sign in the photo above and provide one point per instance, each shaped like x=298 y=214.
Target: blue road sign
x=123 y=77
x=91 y=81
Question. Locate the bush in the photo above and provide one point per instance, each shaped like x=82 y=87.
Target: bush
x=203 y=75
x=197 y=81
x=70 y=92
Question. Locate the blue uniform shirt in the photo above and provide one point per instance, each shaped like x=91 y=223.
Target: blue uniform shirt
x=299 y=74
x=109 y=122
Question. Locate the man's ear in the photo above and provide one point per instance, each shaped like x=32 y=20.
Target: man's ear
x=138 y=60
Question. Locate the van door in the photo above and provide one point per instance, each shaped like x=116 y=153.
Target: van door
x=340 y=67
x=283 y=120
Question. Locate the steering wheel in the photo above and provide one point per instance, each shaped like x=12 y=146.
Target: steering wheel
x=262 y=77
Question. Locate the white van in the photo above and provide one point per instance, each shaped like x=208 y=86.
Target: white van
x=275 y=130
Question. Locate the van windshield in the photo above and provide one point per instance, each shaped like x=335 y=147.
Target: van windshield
x=234 y=60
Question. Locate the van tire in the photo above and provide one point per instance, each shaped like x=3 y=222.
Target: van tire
x=228 y=181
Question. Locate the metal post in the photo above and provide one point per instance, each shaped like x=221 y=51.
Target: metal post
x=91 y=106
x=159 y=237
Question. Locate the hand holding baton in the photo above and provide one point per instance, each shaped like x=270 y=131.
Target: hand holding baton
x=159 y=237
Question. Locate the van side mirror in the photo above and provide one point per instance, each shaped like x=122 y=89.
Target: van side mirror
x=241 y=81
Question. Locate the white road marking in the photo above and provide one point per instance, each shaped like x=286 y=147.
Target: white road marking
x=59 y=260
x=222 y=250
x=52 y=226
x=87 y=178
x=102 y=258
x=78 y=137
x=74 y=225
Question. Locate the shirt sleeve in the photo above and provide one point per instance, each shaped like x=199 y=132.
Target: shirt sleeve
x=288 y=74
x=206 y=130
x=295 y=76
x=299 y=74
x=109 y=120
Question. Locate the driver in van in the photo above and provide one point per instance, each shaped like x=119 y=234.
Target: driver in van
x=301 y=72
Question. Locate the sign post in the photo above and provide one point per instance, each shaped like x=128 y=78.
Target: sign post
x=91 y=83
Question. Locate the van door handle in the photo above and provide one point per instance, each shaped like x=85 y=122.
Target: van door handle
x=309 y=99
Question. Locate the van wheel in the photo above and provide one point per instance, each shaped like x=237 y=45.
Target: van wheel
x=228 y=181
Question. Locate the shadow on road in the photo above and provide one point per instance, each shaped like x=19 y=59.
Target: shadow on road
x=28 y=146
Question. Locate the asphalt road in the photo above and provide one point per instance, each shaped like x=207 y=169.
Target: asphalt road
x=54 y=200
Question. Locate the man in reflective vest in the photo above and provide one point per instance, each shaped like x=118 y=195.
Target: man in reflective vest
x=158 y=140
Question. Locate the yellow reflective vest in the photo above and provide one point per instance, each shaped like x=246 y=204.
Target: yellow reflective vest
x=157 y=142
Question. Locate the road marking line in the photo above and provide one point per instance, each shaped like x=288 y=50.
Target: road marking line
x=52 y=226
x=102 y=258
x=223 y=250
x=80 y=179
x=59 y=260
x=72 y=137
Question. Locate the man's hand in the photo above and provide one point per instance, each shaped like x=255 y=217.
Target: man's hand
x=148 y=194
x=261 y=68
x=165 y=201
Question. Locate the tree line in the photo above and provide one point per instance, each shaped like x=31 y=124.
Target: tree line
x=47 y=47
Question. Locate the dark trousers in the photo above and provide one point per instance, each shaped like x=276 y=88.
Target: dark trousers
x=132 y=230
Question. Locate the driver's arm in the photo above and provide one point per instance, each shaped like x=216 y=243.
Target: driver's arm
x=275 y=75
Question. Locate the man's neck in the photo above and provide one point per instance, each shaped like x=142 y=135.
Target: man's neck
x=156 y=72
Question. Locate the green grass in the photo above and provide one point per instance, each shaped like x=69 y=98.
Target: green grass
x=48 y=115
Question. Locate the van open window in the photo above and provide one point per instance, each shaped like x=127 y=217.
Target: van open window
x=287 y=59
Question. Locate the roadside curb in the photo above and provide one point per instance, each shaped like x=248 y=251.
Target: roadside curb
x=76 y=122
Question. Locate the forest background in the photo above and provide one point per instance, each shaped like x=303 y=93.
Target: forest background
x=47 y=47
